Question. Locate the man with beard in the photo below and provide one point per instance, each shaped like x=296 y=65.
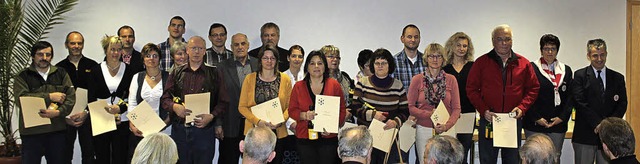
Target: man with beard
x=77 y=65
x=218 y=52
x=270 y=36
x=131 y=57
x=176 y=29
x=54 y=86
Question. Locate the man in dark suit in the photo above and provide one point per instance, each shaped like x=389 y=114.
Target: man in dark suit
x=599 y=93
x=229 y=129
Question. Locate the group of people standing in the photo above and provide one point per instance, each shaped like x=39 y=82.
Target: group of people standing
x=389 y=88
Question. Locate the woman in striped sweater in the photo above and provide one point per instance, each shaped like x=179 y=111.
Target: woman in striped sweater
x=387 y=97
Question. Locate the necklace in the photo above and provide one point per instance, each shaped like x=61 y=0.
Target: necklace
x=114 y=68
x=154 y=76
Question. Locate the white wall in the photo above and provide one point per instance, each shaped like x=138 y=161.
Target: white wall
x=357 y=24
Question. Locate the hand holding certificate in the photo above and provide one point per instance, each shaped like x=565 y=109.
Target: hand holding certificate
x=505 y=131
x=269 y=111
x=440 y=116
x=198 y=104
x=31 y=106
x=145 y=119
x=383 y=139
x=327 y=109
x=101 y=120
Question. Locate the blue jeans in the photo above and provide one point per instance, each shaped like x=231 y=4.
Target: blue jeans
x=489 y=154
x=195 y=145
x=48 y=145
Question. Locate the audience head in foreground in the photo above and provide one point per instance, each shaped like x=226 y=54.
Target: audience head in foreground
x=157 y=148
x=354 y=144
x=617 y=138
x=258 y=146
x=443 y=149
x=538 y=149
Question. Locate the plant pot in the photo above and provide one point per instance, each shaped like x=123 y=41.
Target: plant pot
x=11 y=160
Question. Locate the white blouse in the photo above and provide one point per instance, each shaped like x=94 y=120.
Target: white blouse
x=112 y=83
x=150 y=94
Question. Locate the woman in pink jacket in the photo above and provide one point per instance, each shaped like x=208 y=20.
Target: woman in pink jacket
x=426 y=91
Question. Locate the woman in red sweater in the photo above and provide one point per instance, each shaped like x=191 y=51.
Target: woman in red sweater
x=426 y=91
x=322 y=146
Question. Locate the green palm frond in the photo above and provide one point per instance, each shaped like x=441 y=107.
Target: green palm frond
x=22 y=24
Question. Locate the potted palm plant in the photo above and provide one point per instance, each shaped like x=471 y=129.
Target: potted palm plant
x=21 y=25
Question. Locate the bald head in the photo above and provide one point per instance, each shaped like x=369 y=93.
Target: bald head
x=354 y=142
x=196 y=50
x=240 y=45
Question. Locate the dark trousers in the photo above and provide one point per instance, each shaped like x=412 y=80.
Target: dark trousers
x=133 y=143
x=47 y=145
x=320 y=151
x=112 y=147
x=377 y=156
x=195 y=145
x=467 y=143
x=489 y=154
x=229 y=149
x=279 y=151
x=290 y=153
x=85 y=139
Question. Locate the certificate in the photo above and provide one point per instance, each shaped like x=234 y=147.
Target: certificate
x=383 y=139
x=440 y=115
x=327 y=109
x=101 y=120
x=407 y=135
x=81 y=101
x=30 y=111
x=505 y=131
x=198 y=104
x=145 y=119
x=269 y=111
x=465 y=123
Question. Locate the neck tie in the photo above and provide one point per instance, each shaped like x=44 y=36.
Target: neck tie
x=600 y=82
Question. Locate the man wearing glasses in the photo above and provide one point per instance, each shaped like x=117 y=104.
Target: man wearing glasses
x=176 y=29
x=501 y=81
x=194 y=140
x=218 y=52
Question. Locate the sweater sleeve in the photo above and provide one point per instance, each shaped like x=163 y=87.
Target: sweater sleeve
x=246 y=98
x=412 y=99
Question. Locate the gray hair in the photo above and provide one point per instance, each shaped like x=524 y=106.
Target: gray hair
x=157 y=148
x=259 y=143
x=596 y=44
x=442 y=150
x=457 y=148
x=500 y=28
x=177 y=46
x=354 y=142
x=538 y=149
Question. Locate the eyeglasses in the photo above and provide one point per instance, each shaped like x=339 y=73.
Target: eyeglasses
x=196 y=49
x=269 y=59
x=151 y=56
x=380 y=63
x=334 y=57
x=434 y=56
x=503 y=39
x=549 y=49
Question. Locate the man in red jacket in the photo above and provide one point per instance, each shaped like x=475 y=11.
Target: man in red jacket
x=501 y=81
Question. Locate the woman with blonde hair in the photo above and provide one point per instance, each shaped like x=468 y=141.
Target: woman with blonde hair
x=426 y=91
x=459 y=50
x=110 y=81
x=157 y=148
